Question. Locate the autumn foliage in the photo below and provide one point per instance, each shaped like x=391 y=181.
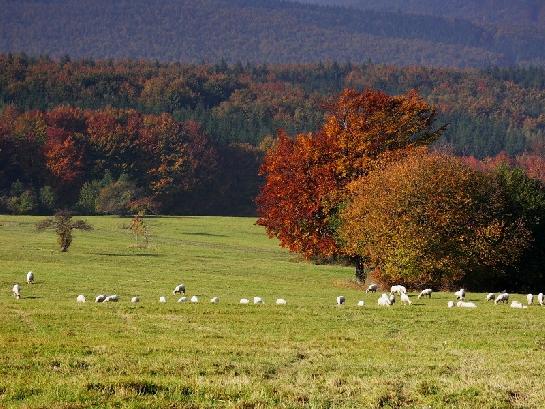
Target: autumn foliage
x=307 y=176
x=431 y=220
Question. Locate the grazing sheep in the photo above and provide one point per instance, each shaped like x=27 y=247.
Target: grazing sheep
x=464 y=304
x=399 y=289
x=194 y=299
x=361 y=303
x=503 y=297
x=244 y=301
x=425 y=292
x=182 y=299
x=384 y=300
x=460 y=294
x=100 y=298
x=134 y=300
x=280 y=301
x=162 y=299
x=392 y=299
x=530 y=299
x=16 y=290
x=405 y=299
x=341 y=300
x=490 y=297
x=372 y=288
x=30 y=277
x=112 y=298
x=179 y=289
x=80 y=298
x=258 y=300
x=450 y=304
x=540 y=299
x=517 y=304
x=215 y=300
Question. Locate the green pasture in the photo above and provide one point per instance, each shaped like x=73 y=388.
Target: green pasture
x=55 y=353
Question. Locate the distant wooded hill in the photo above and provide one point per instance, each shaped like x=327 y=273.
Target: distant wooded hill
x=269 y=31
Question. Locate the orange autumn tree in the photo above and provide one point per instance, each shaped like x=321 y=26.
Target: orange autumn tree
x=306 y=177
x=432 y=220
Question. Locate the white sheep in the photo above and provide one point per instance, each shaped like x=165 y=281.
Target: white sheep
x=460 y=294
x=425 y=292
x=280 y=301
x=517 y=304
x=179 y=289
x=464 y=304
x=503 y=297
x=490 y=297
x=215 y=300
x=399 y=289
x=405 y=299
x=162 y=299
x=135 y=300
x=341 y=300
x=530 y=298
x=372 y=288
x=30 y=277
x=450 y=304
x=360 y=303
x=392 y=299
x=540 y=299
x=244 y=301
x=384 y=300
x=258 y=300
x=112 y=298
x=100 y=298
x=194 y=299
x=182 y=299
x=80 y=298
x=16 y=290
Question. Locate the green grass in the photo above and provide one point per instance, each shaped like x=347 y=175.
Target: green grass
x=310 y=353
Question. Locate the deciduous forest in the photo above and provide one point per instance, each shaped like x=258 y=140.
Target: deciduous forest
x=72 y=128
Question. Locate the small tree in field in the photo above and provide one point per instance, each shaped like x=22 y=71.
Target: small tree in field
x=63 y=224
x=140 y=230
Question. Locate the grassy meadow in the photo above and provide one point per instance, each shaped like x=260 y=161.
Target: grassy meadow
x=55 y=353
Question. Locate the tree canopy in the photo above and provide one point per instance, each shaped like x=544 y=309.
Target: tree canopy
x=306 y=178
x=429 y=220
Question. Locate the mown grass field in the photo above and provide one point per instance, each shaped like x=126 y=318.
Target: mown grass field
x=55 y=353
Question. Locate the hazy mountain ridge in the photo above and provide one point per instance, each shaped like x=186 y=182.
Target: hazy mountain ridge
x=259 y=31
x=510 y=12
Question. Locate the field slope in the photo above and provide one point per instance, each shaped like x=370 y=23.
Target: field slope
x=309 y=353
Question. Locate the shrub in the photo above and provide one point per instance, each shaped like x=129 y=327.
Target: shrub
x=47 y=199
x=25 y=203
x=88 y=197
x=116 y=197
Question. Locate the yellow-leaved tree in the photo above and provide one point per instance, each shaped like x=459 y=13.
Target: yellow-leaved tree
x=431 y=220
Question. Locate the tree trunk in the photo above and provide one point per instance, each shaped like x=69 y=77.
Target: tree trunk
x=360 y=272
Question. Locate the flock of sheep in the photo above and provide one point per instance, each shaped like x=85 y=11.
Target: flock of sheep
x=385 y=300
x=178 y=290
x=389 y=299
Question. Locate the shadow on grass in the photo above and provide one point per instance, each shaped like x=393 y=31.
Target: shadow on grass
x=127 y=254
x=205 y=234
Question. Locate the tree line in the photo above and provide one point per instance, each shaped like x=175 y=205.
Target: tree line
x=116 y=161
x=120 y=111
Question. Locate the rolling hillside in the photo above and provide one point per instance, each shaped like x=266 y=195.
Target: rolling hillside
x=261 y=31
